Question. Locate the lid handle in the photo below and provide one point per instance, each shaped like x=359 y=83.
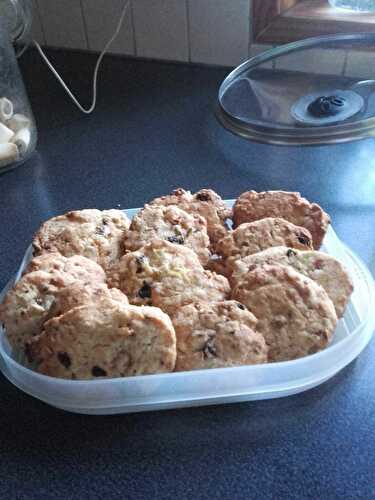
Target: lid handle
x=327 y=106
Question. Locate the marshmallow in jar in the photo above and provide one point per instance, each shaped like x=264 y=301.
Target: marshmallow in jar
x=17 y=126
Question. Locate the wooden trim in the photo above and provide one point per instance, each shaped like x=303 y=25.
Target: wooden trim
x=305 y=19
x=265 y=11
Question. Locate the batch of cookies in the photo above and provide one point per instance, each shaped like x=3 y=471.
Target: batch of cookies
x=186 y=284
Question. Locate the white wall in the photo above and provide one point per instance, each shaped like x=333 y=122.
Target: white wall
x=214 y=32
x=204 y=31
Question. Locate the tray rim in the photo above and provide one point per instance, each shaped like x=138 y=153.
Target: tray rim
x=329 y=351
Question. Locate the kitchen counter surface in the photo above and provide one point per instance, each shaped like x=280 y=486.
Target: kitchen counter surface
x=154 y=130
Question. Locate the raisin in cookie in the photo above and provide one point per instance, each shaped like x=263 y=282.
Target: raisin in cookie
x=26 y=305
x=95 y=234
x=252 y=237
x=206 y=203
x=217 y=334
x=167 y=276
x=169 y=223
x=328 y=272
x=251 y=206
x=295 y=314
x=105 y=340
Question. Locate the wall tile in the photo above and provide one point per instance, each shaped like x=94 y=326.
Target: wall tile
x=256 y=49
x=319 y=61
x=101 y=18
x=63 y=23
x=360 y=64
x=36 y=28
x=161 y=29
x=219 y=31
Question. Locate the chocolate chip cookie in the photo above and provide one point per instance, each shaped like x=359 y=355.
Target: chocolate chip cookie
x=78 y=267
x=167 y=276
x=26 y=305
x=169 y=223
x=251 y=206
x=206 y=203
x=105 y=340
x=95 y=234
x=80 y=294
x=327 y=271
x=253 y=237
x=217 y=334
x=295 y=314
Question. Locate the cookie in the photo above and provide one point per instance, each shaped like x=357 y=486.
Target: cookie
x=169 y=223
x=216 y=335
x=105 y=340
x=253 y=237
x=195 y=286
x=328 y=272
x=251 y=206
x=217 y=264
x=95 y=234
x=26 y=305
x=206 y=203
x=166 y=275
x=78 y=267
x=295 y=314
x=80 y=294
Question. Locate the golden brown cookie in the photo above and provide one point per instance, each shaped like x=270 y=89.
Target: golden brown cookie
x=327 y=271
x=77 y=266
x=218 y=265
x=169 y=223
x=167 y=276
x=26 y=305
x=295 y=314
x=108 y=339
x=206 y=203
x=251 y=206
x=80 y=294
x=217 y=334
x=95 y=234
x=253 y=237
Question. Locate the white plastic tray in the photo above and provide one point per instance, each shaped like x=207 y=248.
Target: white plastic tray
x=207 y=387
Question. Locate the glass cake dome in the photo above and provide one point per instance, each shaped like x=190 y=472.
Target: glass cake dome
x=315 y=91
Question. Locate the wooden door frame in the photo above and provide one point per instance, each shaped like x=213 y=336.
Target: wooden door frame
x=265 y=11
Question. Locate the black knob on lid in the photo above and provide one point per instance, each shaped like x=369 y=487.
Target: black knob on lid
x=327 y=106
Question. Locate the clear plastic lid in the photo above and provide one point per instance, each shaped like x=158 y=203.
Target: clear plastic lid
x=316 y=91
x=16 y=18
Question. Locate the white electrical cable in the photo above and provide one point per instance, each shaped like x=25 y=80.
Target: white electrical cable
x=97 y=65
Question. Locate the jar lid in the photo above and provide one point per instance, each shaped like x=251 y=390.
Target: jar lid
x=16 y=18
x=316 y=91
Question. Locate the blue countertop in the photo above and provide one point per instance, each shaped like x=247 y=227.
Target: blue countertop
x=154 y=130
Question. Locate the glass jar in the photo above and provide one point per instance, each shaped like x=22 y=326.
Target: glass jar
x=18 y=133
